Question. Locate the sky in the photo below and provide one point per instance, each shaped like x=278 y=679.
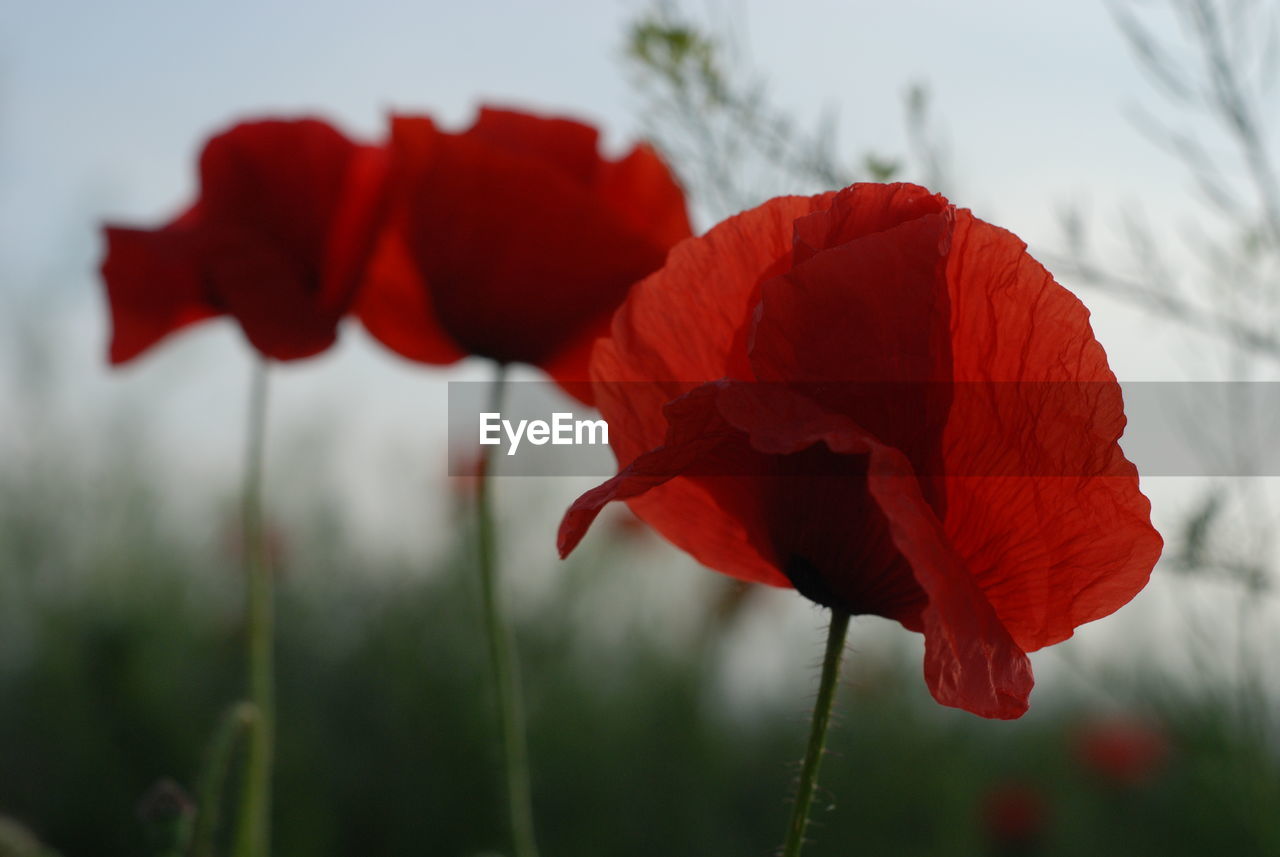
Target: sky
x=104 y=106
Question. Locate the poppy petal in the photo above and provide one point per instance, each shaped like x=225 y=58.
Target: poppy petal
x=273 y=192
x=1044 y=506
x=153 y=286
x=971 y=661
x=865 y=326
x=568 y=145
x=352 y=234
x=393 y=302
x=667 y=338
x=685 y=445
x=860 y=210
x=699 y=471
x=268 y=291
x=520 y=259
x=570 y=366
x=280 y=180
x=394 y=305
x=644 y=195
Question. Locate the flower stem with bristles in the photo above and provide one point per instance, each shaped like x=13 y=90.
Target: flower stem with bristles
x=817 y=733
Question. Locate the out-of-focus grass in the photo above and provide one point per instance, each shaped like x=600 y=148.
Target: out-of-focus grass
x=120 y=649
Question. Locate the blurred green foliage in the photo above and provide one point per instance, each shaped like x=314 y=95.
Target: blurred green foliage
x=121 y=651
x=713 y=118
x=678 y=52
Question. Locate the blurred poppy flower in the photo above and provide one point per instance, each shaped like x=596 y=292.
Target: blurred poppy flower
x=1014 y=817
x=808 y=396
x=514 y=240
x=278 y=238
x=1127 y=751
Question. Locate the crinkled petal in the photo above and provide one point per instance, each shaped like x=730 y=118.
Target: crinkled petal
x=866 y=326
x=971 y=660
x=681 y=324
x=678 y=328
x=861 y=210
x=1041 y=502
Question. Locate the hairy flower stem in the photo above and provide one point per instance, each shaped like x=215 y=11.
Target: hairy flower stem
x=817 y=733
x=253 y=835
x=506 y=674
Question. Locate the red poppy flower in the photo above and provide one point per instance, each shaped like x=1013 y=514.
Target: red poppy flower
x=745 y=389
x=514 y=240
x=1125 y=750
x=278 y=238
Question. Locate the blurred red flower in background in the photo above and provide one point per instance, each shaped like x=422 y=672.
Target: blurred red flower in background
x=1014 y=817
x=278 y=238
x=993 y=524
x=1124 y=750
x=514 y=240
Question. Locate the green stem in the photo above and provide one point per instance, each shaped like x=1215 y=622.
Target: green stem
x=506 y=674
x=238 y=720
x=817 y=733
x=253 y=836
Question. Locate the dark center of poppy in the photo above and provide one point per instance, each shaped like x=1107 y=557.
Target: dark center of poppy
x=809 y=582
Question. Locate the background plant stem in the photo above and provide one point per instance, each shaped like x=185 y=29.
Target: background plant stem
x=506 y=674
x=238 y=720
x=253 y=835
x=817 y=733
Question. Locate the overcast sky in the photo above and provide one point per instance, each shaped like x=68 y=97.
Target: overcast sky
x=105 y=105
